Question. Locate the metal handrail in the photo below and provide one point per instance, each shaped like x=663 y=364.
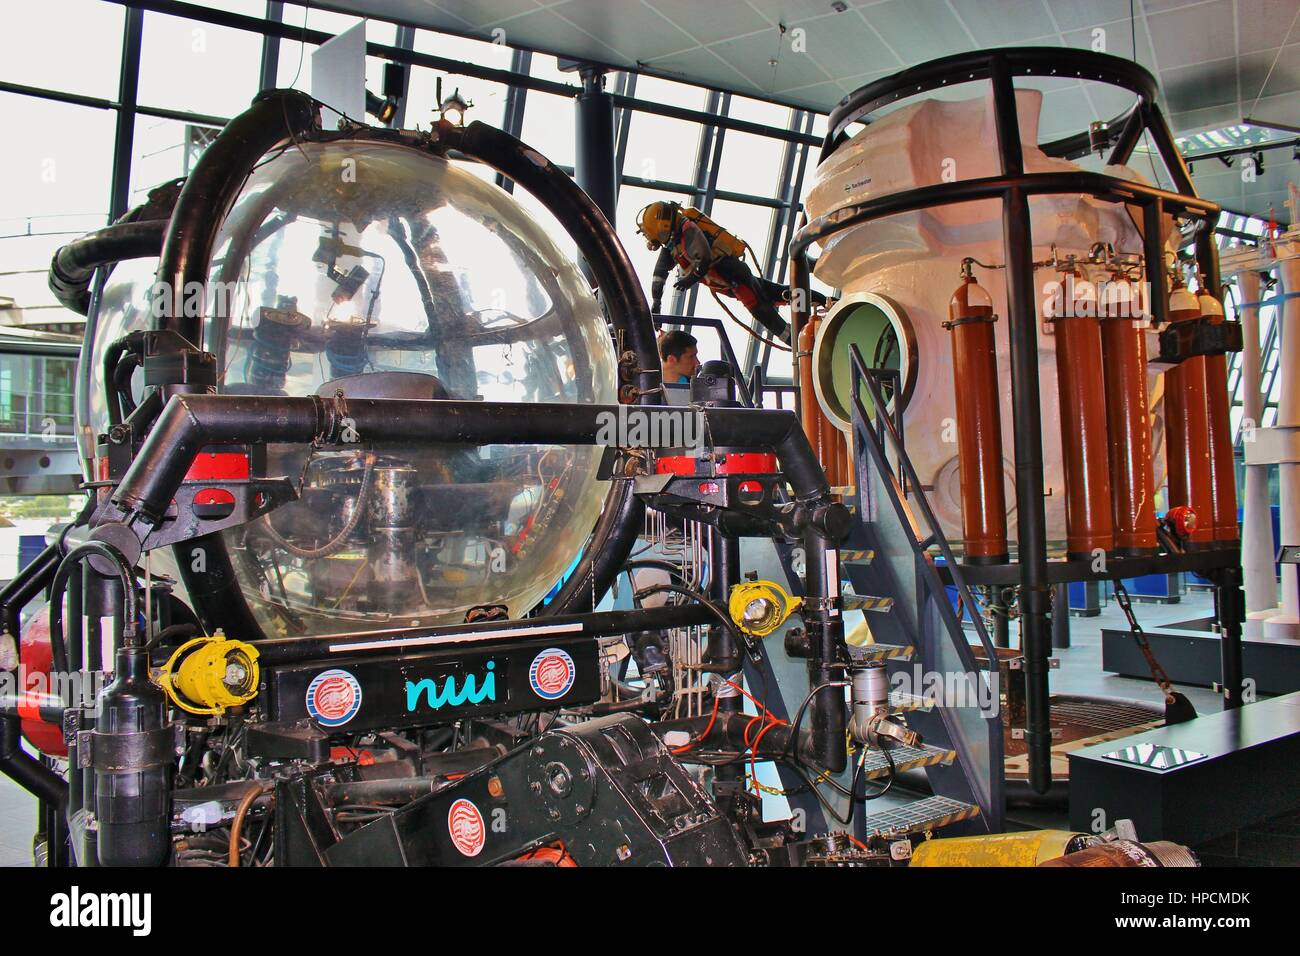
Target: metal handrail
x=885 y=427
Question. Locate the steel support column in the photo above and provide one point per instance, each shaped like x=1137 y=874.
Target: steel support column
x=1035 y=596
x=127 y=89
x=715 y=105
x=594 y=168
x=270 y=70
x=512 y=121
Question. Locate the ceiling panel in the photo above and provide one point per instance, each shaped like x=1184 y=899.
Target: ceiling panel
x=1264 y=26
x=753 y=56
x=550 y=31
x=1269 y=73
x=848 y=45
x=1060 y=109
x=919 y=30
x=1074 y=14
x=1193 y=34
x=706 y=22
x=1117 y=39
x=1016 y=21
x=605 y=20
x=475 y=13
x=1206 y=84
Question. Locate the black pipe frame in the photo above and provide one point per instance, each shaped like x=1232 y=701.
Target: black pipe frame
x=1013 y=188
x=292 y=650
x=191 y=423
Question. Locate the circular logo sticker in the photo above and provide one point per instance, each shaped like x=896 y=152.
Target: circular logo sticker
x=465 y=825
x=333 y=697
x=552 y=673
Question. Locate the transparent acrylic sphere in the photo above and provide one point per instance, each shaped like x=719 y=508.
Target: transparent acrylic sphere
x=383 y=271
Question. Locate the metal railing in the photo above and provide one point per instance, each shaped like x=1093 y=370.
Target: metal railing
x=903 y=531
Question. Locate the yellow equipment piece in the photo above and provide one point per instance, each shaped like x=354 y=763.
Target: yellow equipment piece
x=724 y=243
x=658 y=220
x=997 y=849
x=210 y=674
x=760 y=607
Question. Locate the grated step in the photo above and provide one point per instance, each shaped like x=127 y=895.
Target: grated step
x=863 y=602
x=883 y=652
x=900 y=703
x=905 y=758
x=919 y=817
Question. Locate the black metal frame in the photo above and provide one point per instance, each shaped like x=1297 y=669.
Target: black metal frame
x=1014 y=187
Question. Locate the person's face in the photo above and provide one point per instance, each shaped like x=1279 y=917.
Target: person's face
x=685 y=365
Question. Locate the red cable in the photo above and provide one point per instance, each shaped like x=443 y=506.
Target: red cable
x=712 y=717
x=753 y=750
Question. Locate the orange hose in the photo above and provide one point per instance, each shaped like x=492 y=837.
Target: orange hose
x=241 y=812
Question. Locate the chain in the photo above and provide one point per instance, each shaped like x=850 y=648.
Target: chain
x=1157 y=672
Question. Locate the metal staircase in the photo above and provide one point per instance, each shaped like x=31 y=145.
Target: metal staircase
x=948 y=696
x=890 y=576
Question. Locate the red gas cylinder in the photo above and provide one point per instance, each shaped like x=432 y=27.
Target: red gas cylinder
x=1084 y=433
x=1132 y=470
x=809 y=411
x=1187 y=427
x=979 y=421
x=37 y=661
x=824 y=437
x=1223 y=476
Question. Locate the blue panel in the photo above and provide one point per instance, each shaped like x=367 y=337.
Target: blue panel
x=29 y=546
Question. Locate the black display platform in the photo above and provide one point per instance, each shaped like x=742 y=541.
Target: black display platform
x=1248 y=771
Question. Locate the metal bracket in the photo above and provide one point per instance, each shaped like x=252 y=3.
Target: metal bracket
x=71 y=725
x=1018 y=733
x=1018 y=663
x=252 y=499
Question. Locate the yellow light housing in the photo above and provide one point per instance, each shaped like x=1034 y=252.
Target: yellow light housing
x=759 y=607
x=208 y=675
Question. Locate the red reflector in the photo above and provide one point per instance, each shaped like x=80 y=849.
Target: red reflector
x=675 y=465
x=751 y=487
x=219 y=466
x=214 y=496
x=708 y=487
x=748 y=463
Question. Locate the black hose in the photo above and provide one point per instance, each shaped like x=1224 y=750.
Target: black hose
x=120 y=360
x=58 y=644
x=168 y=634
x=73 y=267
x=340 y=539
x=723 y=618
x=276 y=116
